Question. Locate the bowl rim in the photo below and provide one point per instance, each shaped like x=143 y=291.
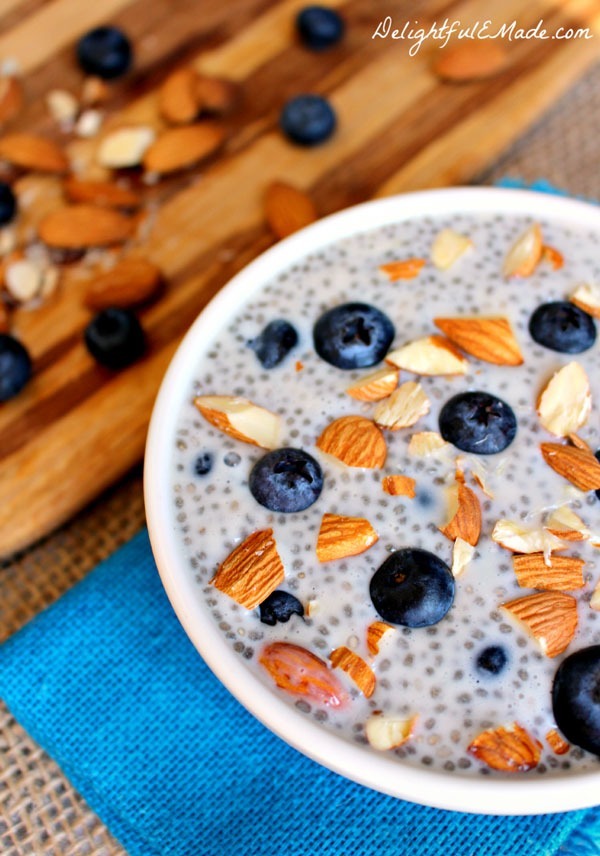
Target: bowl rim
x=439 y=789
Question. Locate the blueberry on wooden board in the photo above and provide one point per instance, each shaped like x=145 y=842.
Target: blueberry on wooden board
x=15 y=366
x=286 y=480
x=561 y=326
x=114 y=337
x=308 y=120
x=273 y=344
x=353 y=336
x=576 y=698
x=478 y=422
x=319 y=27
x=104 y=52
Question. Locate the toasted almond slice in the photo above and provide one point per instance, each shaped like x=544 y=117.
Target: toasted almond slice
x=83 y=226
x=178 y=101
x=565 y=524
x=106 y=193
x=356 y=669
x=431 y=355
x=561 y=573
x=402 y=269
x=519 y=539
x=488 y=339
x=465 y=521
x=587 y=297
x=216 y=95
x=241 y=419
x=376 y=385
x=524 y=255
x=595 y=598
x=556 y=742
x=125 y=147
x=180 y=148
x=252 y=571
x=11 y=98
x=288 y=209
x=403 y=408
x=471 y=60
x=129 y=283
x=29 y=151
x=389 y=732
x=576 y=465
x=341 y=537
x=299 y=672
x=549 y=616
x=462 y=553
x=399 y=486
x=566 y=402
x=553 y=256
x=426 y=443
x=448 y=246
x=375 y=633
x=511 y=750
x=355 y=441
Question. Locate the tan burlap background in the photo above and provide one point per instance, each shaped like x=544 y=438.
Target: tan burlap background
x=40 y=813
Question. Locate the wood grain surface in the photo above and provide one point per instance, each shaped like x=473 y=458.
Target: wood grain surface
x=76 y=428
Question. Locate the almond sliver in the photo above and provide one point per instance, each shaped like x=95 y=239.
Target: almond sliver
x=405 y=406
x=376 y=385
x=356 y=669
x=587 y=297
x=566 y=402
x=402 y=269
x=241 y=419
x=448 y=246
x=389 y=732
x=431 y=355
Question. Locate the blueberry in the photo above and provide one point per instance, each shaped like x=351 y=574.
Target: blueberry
x=576 y=698
x=308 y=120
x=8 y=203
x=286 y=480
x=204 y=463
x=274 y=343
x=353 y=336
x=413 y=588
x=563 y=327
x=478 y=422
x=15 y=366
x=114 y=338
x=492 y=660
x=319 y=27
x=279 y=606
x=104 y=52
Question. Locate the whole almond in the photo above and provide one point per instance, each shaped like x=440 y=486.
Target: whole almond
x=299 y=672
x=129 y=283
x=288 y=209
x=578 y=466
x=83 y=226
x=29 y=151
x=106 y=193
x=216 y=95
x=489 y=339
x=471 y=60
x=11 y=98
x=180 y=148
x=252 y=571
x=376 y=385
x=178 y=100
x=355 y=441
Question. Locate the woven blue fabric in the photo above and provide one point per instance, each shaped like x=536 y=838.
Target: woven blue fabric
x=108 y=683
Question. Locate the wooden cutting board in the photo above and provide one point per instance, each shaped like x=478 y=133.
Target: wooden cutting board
x=76 y=428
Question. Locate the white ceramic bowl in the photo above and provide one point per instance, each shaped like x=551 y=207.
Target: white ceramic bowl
x=520 y=795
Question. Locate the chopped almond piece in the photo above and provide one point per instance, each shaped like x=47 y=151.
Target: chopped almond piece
x=565 y=524
x=389 y=732
x=578 y=442
x=431 y=355
x=402 y=269
x=355 y=441
x=403 y=408
x=595 y=598
x=550 y=617
x=375 y=633
x=125 y=147
x=566 y=402
x=561 y=573
x=356 y=669
x=399 y=486
x=375 y=386
x=241 y=419
x=511 y=750
x=341 y=537
x=252 y=571
x=426 y=443
x=465 y=522
x=518 y=539
x=578 y=466
x=489 y=339
x=556 y=742
x=525 y=254
x=553 y=256
x=462 y=553
x=448 y=247
x=587 y=297
x=300 y=672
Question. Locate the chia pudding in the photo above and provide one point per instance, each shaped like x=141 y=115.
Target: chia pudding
x=477 y=668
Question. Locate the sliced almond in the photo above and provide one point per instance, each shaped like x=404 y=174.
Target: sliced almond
x=106 y=193
x=125 y=147
x=520 y=539
x=553 y=256
x=241 y=419
x=578 y=466
x=32 y=152
x=462 y=554
x=179 y=148
x=405 y=406
x=340 y=537
x=252 y=571
x=11 y=98
x=556 y=742
x=524 y=255
x=560 y=573
x=402 y=269
x=549 y=616
x=375 y=633
x=488 y=339
x=511 y=750
x=376 y=385
x=23 y=280
x=448 y=246
x=587 y=297
x=355 y=667
x=389 y=732
x=301 y=673
x=566 y=402
x=426 y=443
x=399 y=486
x=565 y=524
x=82 y=226
x=178 y=101
x=62 y=106
x=288 y=209
x=465 y=522
x=129 y=283
x=216 y=95
x=471 y=60
x=431 y=355
x=355 y=441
